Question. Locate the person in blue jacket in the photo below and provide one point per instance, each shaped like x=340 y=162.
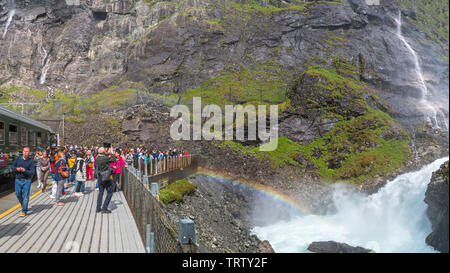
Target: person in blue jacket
x=24 y=169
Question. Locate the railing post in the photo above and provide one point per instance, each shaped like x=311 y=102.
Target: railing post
x=151 y=166
x=146 y=171
x=150 y=240
x=154 y=189
x=186 y=236
x=145 y=181
x=139 y=163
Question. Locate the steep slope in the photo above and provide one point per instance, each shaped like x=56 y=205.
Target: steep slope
x=344 y=75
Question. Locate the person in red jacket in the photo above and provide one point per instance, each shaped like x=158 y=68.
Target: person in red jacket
x=117 y=168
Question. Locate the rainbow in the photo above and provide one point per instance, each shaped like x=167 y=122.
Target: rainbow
x=262 y=189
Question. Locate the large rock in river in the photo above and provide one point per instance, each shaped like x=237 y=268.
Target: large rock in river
x=335 y=247
x=436 y=197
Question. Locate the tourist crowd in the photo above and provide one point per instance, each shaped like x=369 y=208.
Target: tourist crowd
x=74 y=165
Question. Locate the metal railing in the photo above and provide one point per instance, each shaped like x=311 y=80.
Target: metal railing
x=155 y=228
x=157 y=166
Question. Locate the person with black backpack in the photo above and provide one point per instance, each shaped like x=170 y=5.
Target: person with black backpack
x=80 y=174
x=105 y=178
x=61 y=175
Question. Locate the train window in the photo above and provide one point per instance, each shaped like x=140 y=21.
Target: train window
x=39 y=139
x=2 y=133
x=23 y=136
x=13 y=137
x=30 y=138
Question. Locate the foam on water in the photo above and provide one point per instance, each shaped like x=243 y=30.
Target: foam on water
x=392 y=220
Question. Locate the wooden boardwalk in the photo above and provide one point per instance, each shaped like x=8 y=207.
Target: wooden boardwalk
x=74 y=227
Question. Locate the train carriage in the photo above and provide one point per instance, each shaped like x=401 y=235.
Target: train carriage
x=17 y=131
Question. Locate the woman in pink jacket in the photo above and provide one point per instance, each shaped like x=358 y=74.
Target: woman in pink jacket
x=117 y=168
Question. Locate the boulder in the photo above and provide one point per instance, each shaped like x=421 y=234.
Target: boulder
x=436 y=197
x=335 y=247
x=265 y=247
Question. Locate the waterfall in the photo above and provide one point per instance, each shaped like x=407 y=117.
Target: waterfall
x=45 y=57
x=44 y=71
x=391 y=220
x=10 y=16
x=431 y=111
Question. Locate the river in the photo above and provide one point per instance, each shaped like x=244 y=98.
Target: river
x=391 y=220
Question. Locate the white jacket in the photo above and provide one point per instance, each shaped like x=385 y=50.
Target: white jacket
x=80 y=174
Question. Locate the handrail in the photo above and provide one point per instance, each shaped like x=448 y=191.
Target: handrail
x=153 y=223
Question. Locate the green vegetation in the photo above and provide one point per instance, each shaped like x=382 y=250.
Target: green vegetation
x=360 y=148
x=433 y=19
x=364 y=143
x=335 y=81
x=284 y=155
x=263 y=83
x=12 y=90
x=253 y=6
x=175 y=191
x=357 y=149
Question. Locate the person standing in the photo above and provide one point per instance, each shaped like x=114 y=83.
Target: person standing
x=43 y=167
x=104 y=179
x=117 y=169
x=24 y=169
x=62 y=173
x=89 y=166
x=71 y=162
x=37 y=157
x=80 y=174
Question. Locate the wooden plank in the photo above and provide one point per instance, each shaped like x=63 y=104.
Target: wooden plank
x=104 y=234
x=118 y=230
x=22 y=226
x=36 y=243
x=62 y=222
x=76 y=233
x=111 y=231
x=15 y=214
x=17 y=211
x=95 y=240
x=71 y=225
x=133 y=230
x=85 y=241
x=129 y=242
x=50 y=227
x=35 y=225
x=127 y=238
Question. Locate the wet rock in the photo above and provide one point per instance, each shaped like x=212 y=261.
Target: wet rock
x=265 y=247
x=335 y=247
x=437 y=198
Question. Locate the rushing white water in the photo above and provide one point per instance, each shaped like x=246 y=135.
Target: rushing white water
x=391 y=220
x=429 y=110
x=8 y=22
x=44 y=71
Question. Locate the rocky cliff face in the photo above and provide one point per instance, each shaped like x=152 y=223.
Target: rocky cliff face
x=330 y=66
x=88 y=45
x=437 y=196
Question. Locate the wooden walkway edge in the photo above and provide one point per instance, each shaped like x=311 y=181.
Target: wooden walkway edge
x=74 y=227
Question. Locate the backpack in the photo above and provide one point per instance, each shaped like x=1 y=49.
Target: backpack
x=62 y=170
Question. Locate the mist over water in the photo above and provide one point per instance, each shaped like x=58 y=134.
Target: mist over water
x=391 y=220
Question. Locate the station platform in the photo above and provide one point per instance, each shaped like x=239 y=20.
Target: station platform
x=72 y=228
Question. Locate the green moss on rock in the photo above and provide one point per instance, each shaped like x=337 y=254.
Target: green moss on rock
x=361 y=148
x=175 y=191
